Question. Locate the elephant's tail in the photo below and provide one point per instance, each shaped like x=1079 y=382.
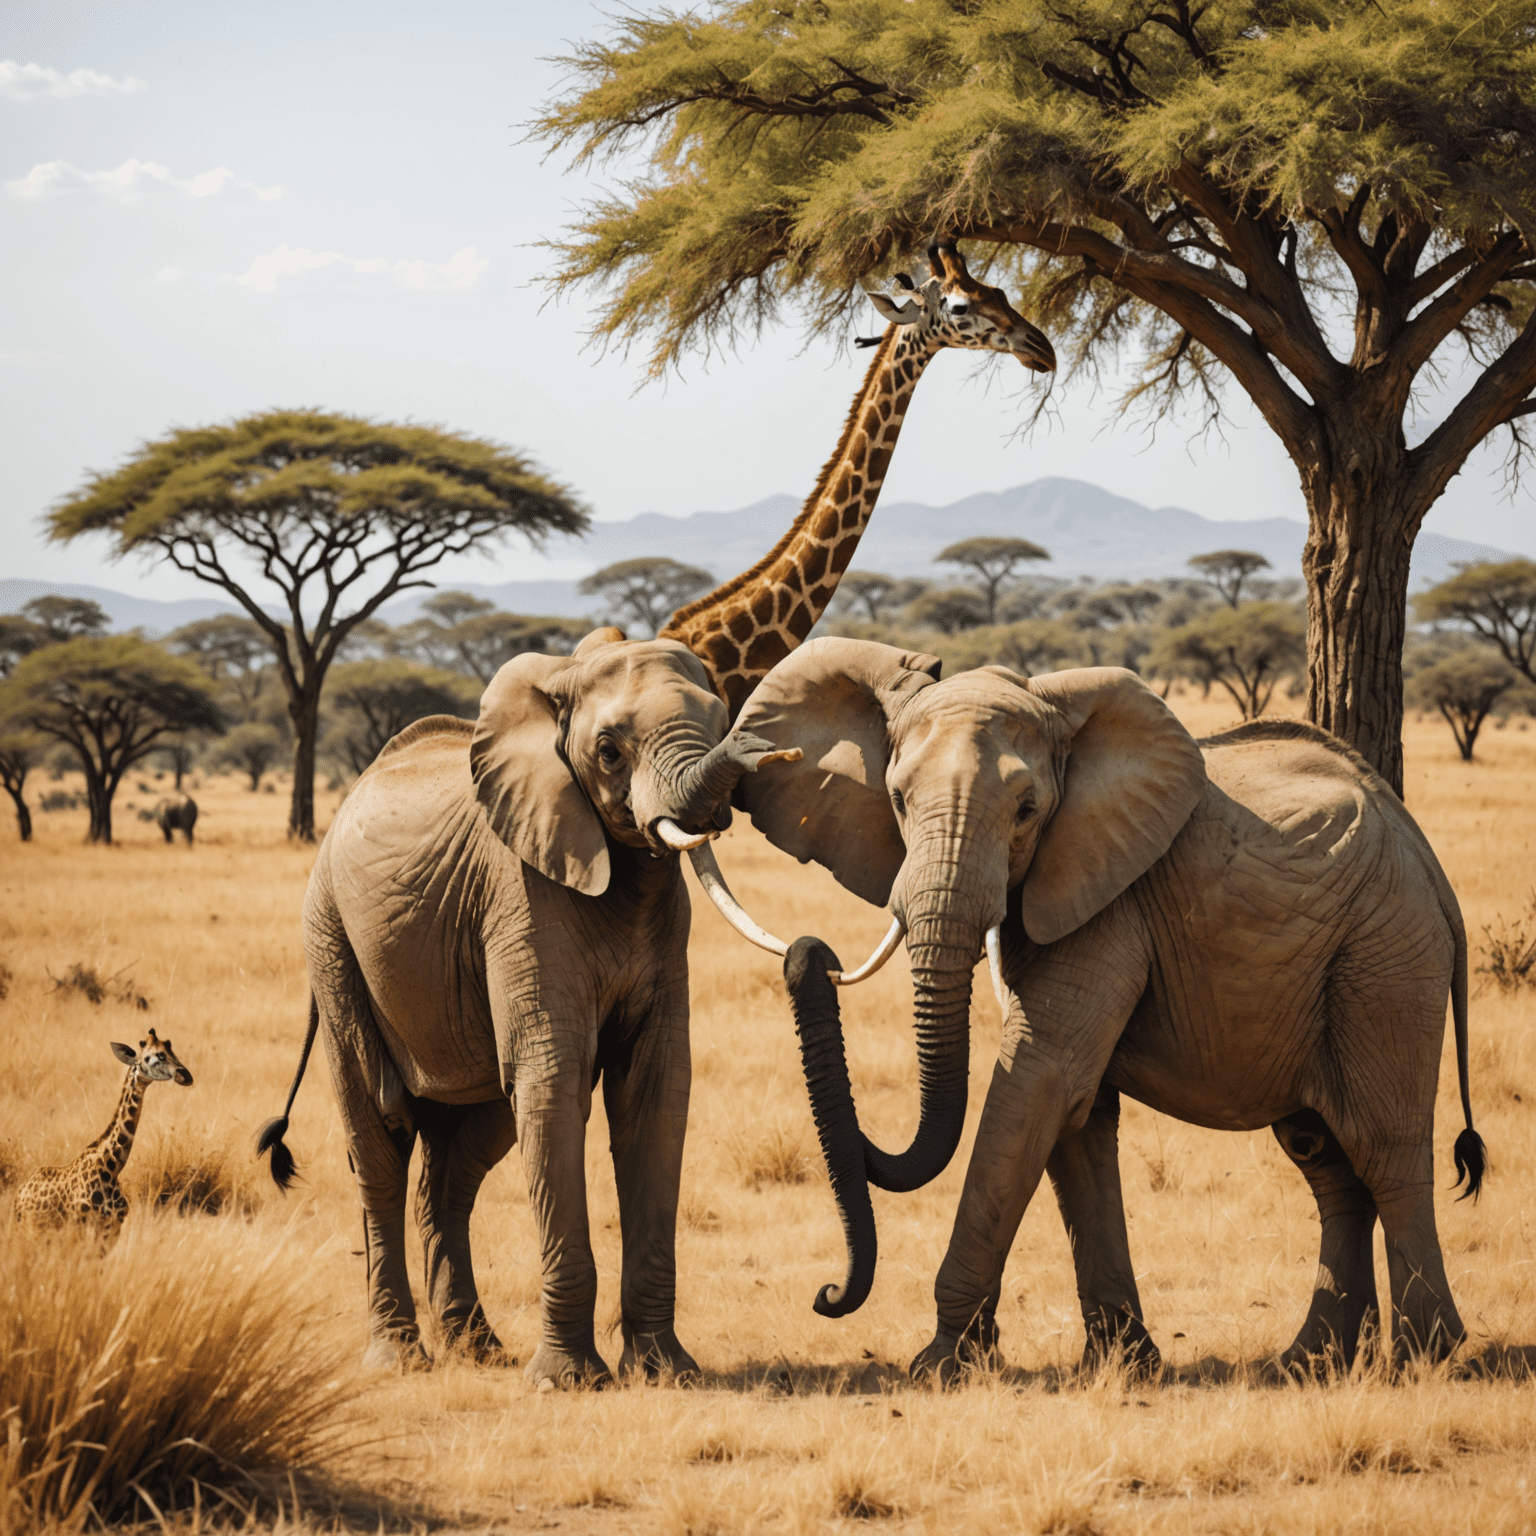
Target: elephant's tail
x=1469 y=1152
x=270 y=1137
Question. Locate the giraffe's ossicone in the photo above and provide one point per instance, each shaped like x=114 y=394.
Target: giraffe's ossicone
x=87 y=1192
x=748 y=624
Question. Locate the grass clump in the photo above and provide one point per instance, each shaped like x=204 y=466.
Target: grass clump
x=156 y=1377
x=194 y=1176
x=1510 y=953
x=779 y=1157
x=96 y=988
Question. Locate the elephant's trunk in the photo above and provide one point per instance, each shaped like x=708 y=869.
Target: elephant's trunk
x=694 y=791
x=813 y=999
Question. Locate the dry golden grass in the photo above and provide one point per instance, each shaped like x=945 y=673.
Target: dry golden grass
x=806 y=1424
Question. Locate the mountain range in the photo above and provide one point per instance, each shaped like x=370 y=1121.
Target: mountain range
x=1088 y=530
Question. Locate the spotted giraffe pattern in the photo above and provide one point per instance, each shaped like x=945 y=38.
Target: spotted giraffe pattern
x=87 y=1192
x=747 y=625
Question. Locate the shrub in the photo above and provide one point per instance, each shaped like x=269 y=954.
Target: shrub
x=133 y=1381
x=1510 y=952
x=778 y=1158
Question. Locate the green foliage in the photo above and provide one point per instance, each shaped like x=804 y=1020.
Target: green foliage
x=993 y=560
x=371 y=701
x=1248 y=651
x=253 y=747
x=18 y=637
x=647 y=590
x=63 y=618
x=1227 y=570
x=948 y=609
x=875 y=593
x=110 y=700
x=1465 y=680
x=1497 y=600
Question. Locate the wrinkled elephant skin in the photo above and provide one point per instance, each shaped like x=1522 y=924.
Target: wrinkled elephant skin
x=1248 y=931
x=490 y=929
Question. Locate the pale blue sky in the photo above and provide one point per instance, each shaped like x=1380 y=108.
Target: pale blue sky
x=212 y=209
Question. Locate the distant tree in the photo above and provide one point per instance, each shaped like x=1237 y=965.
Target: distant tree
x=178 y=753
x=1497 y=599
x=66 y=618
x=1228 y=569
x=993 y=560
x=232 y=650
x=375 y=700
x=20 y=751
x=1039 y=645
x=486 y=642
x=1120 y=603
x=358 y=509
x=1247 y=650
x=111 y=700
x=453 y=607
x=877 y=593
x=949 y=609
x=18 y=637
x=647 y=590
x=1466 y=682
x=252 y=747
x=1034 y=597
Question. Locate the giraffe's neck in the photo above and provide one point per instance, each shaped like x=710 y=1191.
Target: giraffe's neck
x=743 y=627
x=112 y=1147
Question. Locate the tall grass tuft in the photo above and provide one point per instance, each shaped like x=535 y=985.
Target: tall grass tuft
x=195 y=1174
x=169 y=1372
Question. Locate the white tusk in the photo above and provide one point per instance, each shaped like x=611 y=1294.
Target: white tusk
x=995 y=961
x=887 y=948
x=676 y=839
x=708 y=871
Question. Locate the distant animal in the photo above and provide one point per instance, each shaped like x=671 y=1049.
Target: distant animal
x=175 y=813
x=87 y=1191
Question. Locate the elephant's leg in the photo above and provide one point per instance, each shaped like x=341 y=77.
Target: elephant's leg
x=380 y=1132
x=1085 y=1172
x=1069 y=1008
x=460 y=1144
x=646 y=1081
x=552 y=1115
x=1344 y=1296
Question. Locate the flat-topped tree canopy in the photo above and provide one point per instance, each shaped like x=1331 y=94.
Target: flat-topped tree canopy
x=339 y=513
x=1311 y=198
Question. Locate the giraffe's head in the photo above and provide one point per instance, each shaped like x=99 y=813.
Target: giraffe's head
x=957 y=311
x=154 y=1059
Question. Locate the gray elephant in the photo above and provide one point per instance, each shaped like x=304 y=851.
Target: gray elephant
x=496 y=920
x=176 y=813
x=1240 y=932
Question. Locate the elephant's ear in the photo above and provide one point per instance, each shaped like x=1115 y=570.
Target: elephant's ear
x=832 y=698
x=1133 y=777
x=535 y=806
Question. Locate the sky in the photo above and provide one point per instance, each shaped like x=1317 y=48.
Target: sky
x=209 y=210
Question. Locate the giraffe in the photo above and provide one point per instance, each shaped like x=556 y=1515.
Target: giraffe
x=757 y=618
x=87 y=1191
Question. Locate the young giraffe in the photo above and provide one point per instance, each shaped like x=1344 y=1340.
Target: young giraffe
x=756 y=619
x=87 y=1191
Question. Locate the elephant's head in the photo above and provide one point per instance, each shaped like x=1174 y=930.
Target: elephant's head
x=622 y=740
x=939 y=798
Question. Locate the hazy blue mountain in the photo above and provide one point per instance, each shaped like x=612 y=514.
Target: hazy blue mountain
x=1088 y=530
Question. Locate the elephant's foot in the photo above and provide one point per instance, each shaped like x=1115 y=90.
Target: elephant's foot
x=952 y=1355
x=396 y=1350
x=553 y=1367
x=659 y=1355
x=1120 y=1337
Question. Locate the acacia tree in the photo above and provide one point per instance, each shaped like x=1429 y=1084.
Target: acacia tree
x=1497 y=599
x=993 y=560
x=1228 y=570
x=1313 y=200
x=20 y=749
x=338 y=514
x=1466 y=685
x=649 y=589
x=110 y=699
x=377 y=699
x=1248 y=651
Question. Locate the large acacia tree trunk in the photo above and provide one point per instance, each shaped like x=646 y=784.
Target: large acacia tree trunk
x=1363 y=520
x=304 y=711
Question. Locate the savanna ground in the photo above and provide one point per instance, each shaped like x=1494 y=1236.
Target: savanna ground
x=801 y=1423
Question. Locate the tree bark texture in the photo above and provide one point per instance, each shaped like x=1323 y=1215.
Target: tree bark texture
x=1362 y=525
x=304 y=711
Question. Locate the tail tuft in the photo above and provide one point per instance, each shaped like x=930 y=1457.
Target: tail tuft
x=270 y=1139
x=1471 y=1163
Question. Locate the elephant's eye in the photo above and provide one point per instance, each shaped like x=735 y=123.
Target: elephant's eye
x=1026 y=809
x=608 y=753
x=897 y=803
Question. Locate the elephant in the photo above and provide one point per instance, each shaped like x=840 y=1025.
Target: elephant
x=496 y=921
x=176 y=813
x=1244 y=931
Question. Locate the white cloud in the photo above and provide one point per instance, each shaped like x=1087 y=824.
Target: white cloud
x=132 y=178
x=26 y=82
x=288 y=264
